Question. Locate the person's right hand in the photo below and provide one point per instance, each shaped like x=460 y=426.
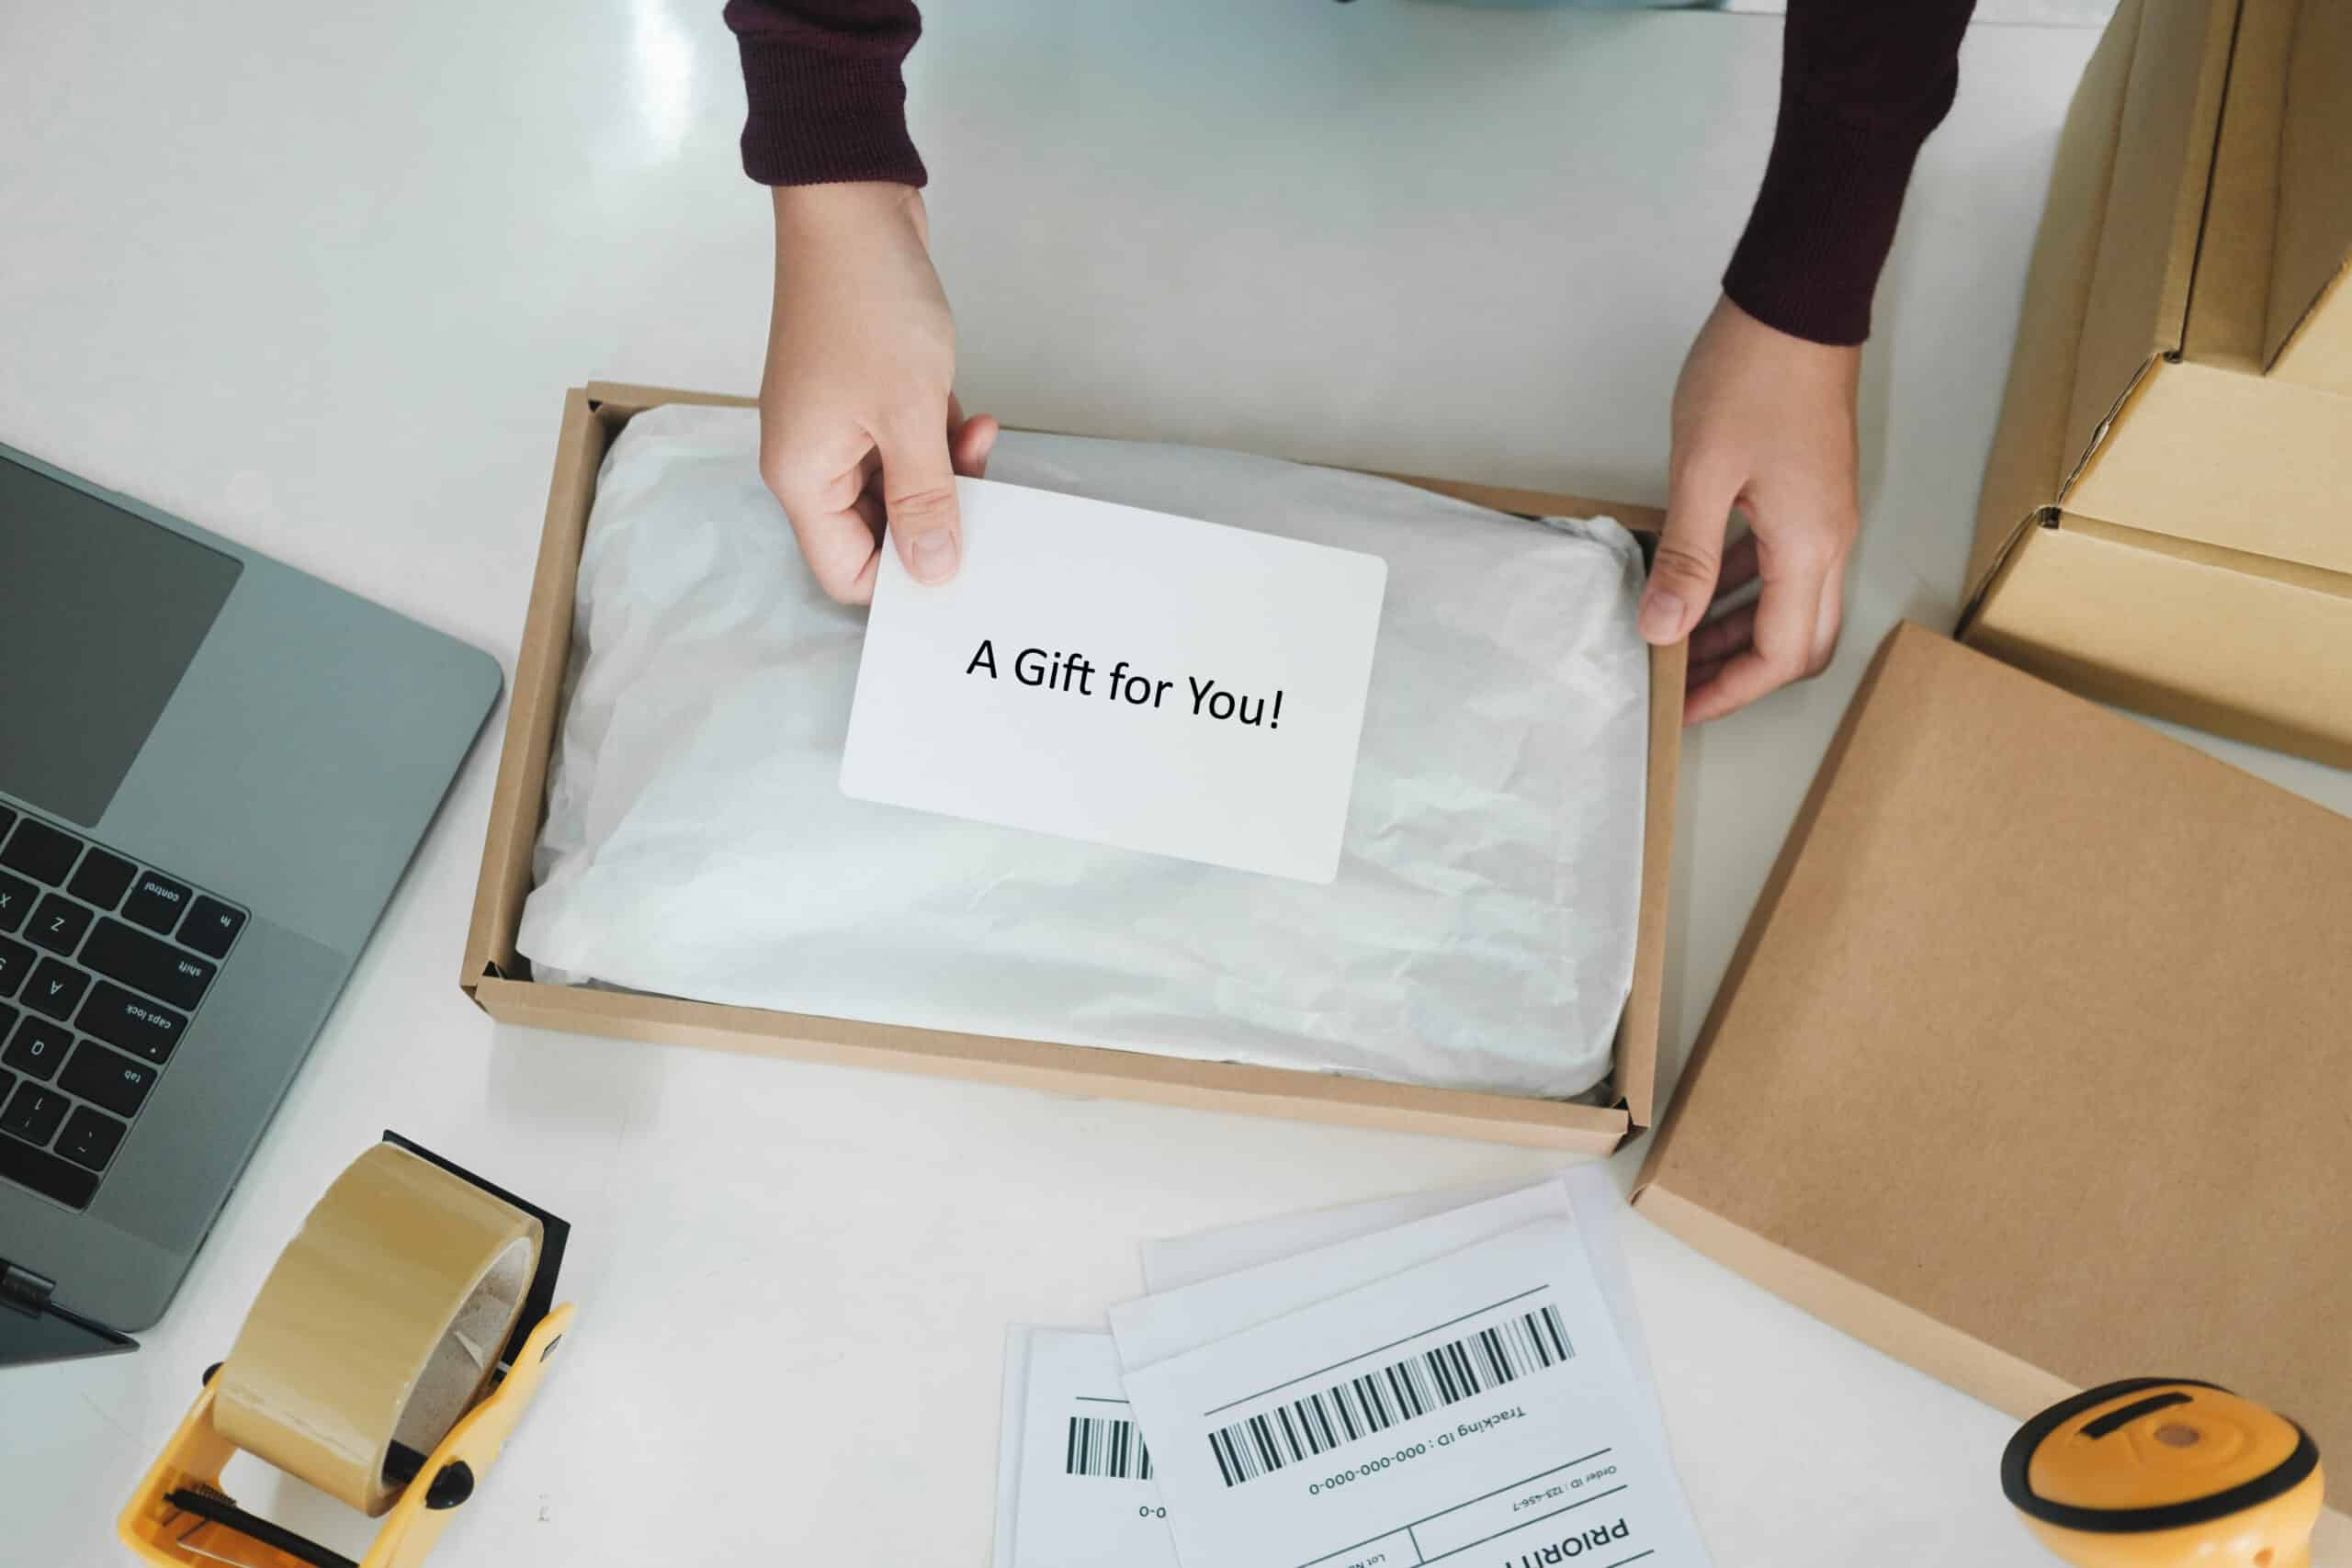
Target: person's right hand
x=859 y=425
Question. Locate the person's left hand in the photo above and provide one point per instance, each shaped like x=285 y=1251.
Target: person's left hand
x=1763 y=422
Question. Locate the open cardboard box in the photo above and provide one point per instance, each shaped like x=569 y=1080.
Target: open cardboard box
x=499 y=979
x=2167 y=517
x=2031 y=1069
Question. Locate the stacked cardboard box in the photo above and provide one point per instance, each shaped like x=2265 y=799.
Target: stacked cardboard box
x=2166 y=518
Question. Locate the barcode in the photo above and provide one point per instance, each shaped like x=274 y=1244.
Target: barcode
x=1097 y=1446
x=1377 y=1400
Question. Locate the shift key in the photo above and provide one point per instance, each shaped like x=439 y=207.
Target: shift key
x=147 y=964
x=139 y=1026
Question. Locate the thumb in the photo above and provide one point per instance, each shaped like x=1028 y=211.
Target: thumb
x=918 y=497
x=1689 y=554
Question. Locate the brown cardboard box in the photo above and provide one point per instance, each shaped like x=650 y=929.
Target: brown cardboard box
x=499 y=979
x=2166 y=518
x=2034 y=1065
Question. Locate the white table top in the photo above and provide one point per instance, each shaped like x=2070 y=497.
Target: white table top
x=316 y=276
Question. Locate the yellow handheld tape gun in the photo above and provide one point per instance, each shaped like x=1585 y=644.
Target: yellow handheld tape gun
x=395 y=1344
x=2165 y=1473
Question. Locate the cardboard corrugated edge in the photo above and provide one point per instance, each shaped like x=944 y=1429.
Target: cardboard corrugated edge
x=2222 y=641
x=2309 y=336
x=490 y=969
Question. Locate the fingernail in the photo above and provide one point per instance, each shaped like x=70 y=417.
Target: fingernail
x=934 y=556
x=1661 y=616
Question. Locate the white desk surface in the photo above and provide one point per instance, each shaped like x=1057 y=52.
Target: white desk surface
x=317 y=276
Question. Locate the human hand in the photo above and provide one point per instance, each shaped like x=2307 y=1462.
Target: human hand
x=858 y=424
x=1763 y=422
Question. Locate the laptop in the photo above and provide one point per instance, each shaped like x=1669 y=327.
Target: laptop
x=213 y=769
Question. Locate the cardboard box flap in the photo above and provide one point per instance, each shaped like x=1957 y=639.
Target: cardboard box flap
x=2231 y=293
x=2038 y=1032
x=2313 y=251
x=2030 y=461
x=2109 y=288
x=2153 y=212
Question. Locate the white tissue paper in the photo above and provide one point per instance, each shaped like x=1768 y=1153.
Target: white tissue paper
x=1479 y=935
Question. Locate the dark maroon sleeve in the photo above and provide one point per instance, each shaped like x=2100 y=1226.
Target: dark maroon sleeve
x=1862 y=83
x=827 y=101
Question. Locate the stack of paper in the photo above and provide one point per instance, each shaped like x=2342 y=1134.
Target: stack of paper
x=1449 y=1378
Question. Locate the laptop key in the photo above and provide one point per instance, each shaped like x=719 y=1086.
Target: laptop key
x=33 y=1112
x=41 y=851
x=16 y=896
x=156 y=902
x=211 y=927
x=101 y=878
x=90 y=1139
x=58 y=925
x=55 y=988
x=141 y=1027
x=108 y=1077
x=46 y=1174
x=36 y=1047
x=148 y=963
x=16 y=963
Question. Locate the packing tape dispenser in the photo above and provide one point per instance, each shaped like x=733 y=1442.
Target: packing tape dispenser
x=394 y=1347
x=2163 y=1472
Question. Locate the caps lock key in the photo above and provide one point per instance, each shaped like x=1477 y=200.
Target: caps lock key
x=145 y=1027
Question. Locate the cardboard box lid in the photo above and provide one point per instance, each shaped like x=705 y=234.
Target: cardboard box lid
x=2035 y=1053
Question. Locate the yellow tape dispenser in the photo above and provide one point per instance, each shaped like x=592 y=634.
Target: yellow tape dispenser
x=398 y=1339
x=2165 y=1473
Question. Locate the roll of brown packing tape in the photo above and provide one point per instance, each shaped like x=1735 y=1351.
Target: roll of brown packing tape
x=381 y=1323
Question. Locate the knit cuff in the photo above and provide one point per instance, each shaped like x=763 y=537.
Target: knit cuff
x=817 y=120
x=1822 y=226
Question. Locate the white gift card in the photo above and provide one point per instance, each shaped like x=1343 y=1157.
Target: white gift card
x=1124 y=677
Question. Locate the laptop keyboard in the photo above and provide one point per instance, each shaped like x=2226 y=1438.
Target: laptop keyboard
x=102 y=964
